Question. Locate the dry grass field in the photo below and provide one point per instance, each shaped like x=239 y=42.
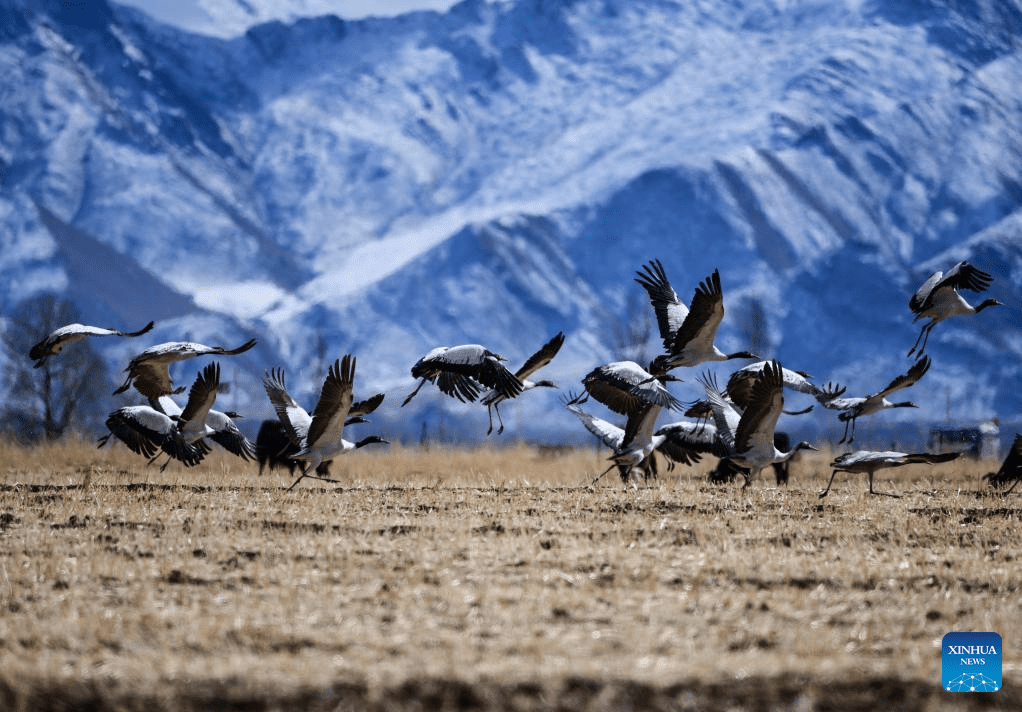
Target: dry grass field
x=493 y=580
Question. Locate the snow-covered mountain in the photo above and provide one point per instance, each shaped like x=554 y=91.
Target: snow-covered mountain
x=498 y=172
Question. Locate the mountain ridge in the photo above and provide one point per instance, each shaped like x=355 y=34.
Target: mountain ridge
x=498 y=172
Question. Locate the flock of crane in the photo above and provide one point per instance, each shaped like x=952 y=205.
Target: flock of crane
x=736 y=423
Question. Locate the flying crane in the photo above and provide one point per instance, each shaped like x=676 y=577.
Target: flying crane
x=319 y=436
x=939 y=298
x=59 y=338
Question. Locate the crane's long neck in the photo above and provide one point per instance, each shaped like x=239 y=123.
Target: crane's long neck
x=987 y=303
x=785 y=456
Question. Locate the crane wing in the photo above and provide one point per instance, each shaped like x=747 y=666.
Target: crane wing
x=233 y=352
x=704 y=316
x=906 y=379
x=227 y=435
x=670 y=311
x=150 y=378
x=920 y=301
x=966 y=276
x=365 y=407
x=725 y=417
x=201 y=397
x=756 y=426
x=292 y=416
x=541 y=358
x=624 y=387
x=334 y=403
x=685 y=441
x=608 y=433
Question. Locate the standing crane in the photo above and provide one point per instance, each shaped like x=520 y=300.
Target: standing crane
x=938 y=299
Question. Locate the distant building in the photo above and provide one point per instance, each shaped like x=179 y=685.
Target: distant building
x=979 y=441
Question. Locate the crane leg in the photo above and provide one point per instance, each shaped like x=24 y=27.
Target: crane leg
x=924 y=336
x=824 y=492
x=885 y=494
x=490 y=410
x=1008 y=491
x=845 y=438
x=305 y=471
x=600 y=477
x=747 y=474
x=411 y=395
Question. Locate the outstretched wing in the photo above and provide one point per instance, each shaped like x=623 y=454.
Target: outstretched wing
x=704 y=316
x=965 y=276
x=625 y=387
x=608 y=433
x=365 y=407
x=725 y=416
x=293 y=417
x=931 y=458
x=758 y=421
x=541 y=358
x=233 y=352
x=906 y=379
x=201 y=397
x=59 y=338
x=670 y=311
x=334 y=403
x=227 y=435
x=686 y=441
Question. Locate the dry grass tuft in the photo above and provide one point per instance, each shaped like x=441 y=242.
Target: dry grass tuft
x=491 y=579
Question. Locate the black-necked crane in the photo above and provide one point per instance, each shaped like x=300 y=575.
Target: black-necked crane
x=869 y=461
x=938 y=299
x=146 y=431
x=740 y=384
x=634 y=445
x=59 y=338
x=492 y=398
x=688 y=333
x=747 y=437
x=853 y=408
x=144 y=428
x=319 y=436
x=627 y=452
x=460 y=372
x=686 y=441
x=1011 y=468
x=199 y=420
x=149 y=372
x=625 y=387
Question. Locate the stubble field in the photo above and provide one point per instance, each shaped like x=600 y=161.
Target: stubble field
x=493 y=580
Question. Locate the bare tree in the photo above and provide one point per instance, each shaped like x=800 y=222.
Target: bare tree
x=65 y=391
x=752 y=323
x=631 y=335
